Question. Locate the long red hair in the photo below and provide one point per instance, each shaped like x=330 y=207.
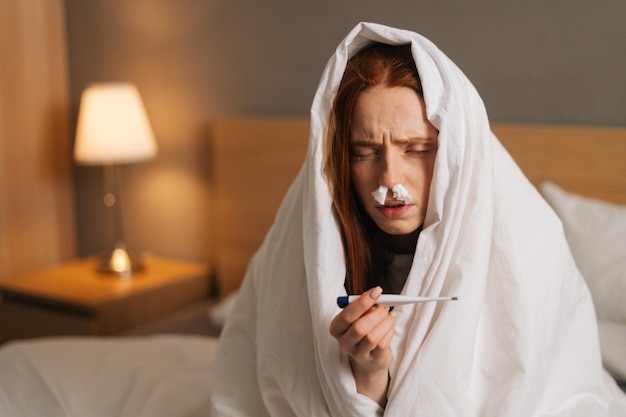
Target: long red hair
x=376 y=65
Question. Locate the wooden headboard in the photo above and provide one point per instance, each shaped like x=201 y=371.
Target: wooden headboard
x=256 y=159
x=590 y=161
x=255 y=162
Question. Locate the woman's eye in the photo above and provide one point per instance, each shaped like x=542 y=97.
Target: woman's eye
x=362 y=154
x=421 y=150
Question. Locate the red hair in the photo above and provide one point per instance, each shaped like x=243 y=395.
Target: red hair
x=376 y=65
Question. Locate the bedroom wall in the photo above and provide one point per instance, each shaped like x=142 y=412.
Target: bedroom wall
x=37 y=225
x=194 y=60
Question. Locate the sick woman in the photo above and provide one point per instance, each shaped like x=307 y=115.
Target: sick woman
x=406 y=191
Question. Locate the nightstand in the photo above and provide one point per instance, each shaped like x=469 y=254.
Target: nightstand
x=74 y=299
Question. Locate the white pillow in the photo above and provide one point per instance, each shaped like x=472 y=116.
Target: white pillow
x=596 y=233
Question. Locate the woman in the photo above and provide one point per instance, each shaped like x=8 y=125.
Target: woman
x=447 y=197
x=379 y=137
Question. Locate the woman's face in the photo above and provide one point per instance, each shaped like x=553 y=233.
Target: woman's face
x=391 y=143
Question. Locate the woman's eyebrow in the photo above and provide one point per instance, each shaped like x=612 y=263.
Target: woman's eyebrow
x=415 y=140
x=364 y=142
x=409 y=140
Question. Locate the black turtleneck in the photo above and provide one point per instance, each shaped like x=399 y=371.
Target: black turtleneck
x=392 y=257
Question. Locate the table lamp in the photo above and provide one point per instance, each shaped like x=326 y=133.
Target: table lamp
x=113 y=129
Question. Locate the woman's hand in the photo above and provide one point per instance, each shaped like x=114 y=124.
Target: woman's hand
x=364 y=332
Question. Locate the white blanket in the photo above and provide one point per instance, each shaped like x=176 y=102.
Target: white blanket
x=521 y=340
x=158 y=376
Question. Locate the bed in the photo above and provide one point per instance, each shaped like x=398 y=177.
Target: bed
x=163 y=368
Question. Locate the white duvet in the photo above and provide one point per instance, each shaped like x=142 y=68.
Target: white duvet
x=520 y=341
x=158 y=376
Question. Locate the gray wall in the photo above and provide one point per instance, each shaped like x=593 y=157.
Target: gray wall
x=193 y=60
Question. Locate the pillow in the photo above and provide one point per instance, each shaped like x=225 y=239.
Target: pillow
x=596 y=233
x=155 y=376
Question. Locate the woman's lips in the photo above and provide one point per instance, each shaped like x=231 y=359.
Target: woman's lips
x=394 y=211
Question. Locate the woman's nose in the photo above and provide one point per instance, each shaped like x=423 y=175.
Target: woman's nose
x=388 y=174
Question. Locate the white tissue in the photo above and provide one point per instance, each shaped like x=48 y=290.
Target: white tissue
x=400 y=193
x=380 y=194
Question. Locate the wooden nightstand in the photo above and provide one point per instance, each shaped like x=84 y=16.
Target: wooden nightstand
x=74 y=299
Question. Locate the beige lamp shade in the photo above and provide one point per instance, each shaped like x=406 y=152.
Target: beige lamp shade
x=113 y=126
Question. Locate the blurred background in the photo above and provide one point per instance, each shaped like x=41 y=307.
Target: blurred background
x=196 y=60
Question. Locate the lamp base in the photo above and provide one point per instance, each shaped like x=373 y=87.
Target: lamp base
x=120 y=261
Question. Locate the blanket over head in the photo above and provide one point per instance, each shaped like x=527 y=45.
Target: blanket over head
x=520 y=341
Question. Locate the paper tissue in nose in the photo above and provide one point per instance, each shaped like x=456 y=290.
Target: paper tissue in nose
x=399 y=193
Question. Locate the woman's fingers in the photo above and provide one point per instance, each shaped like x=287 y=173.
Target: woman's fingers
x=354 y=311
x=368 y=343
x=364 y=330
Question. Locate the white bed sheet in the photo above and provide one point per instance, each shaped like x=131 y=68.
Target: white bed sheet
x=151 y=376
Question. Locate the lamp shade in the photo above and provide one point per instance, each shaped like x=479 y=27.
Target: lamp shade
x=113 y=126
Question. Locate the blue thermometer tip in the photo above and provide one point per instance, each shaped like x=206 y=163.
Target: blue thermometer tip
x=343 y=301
